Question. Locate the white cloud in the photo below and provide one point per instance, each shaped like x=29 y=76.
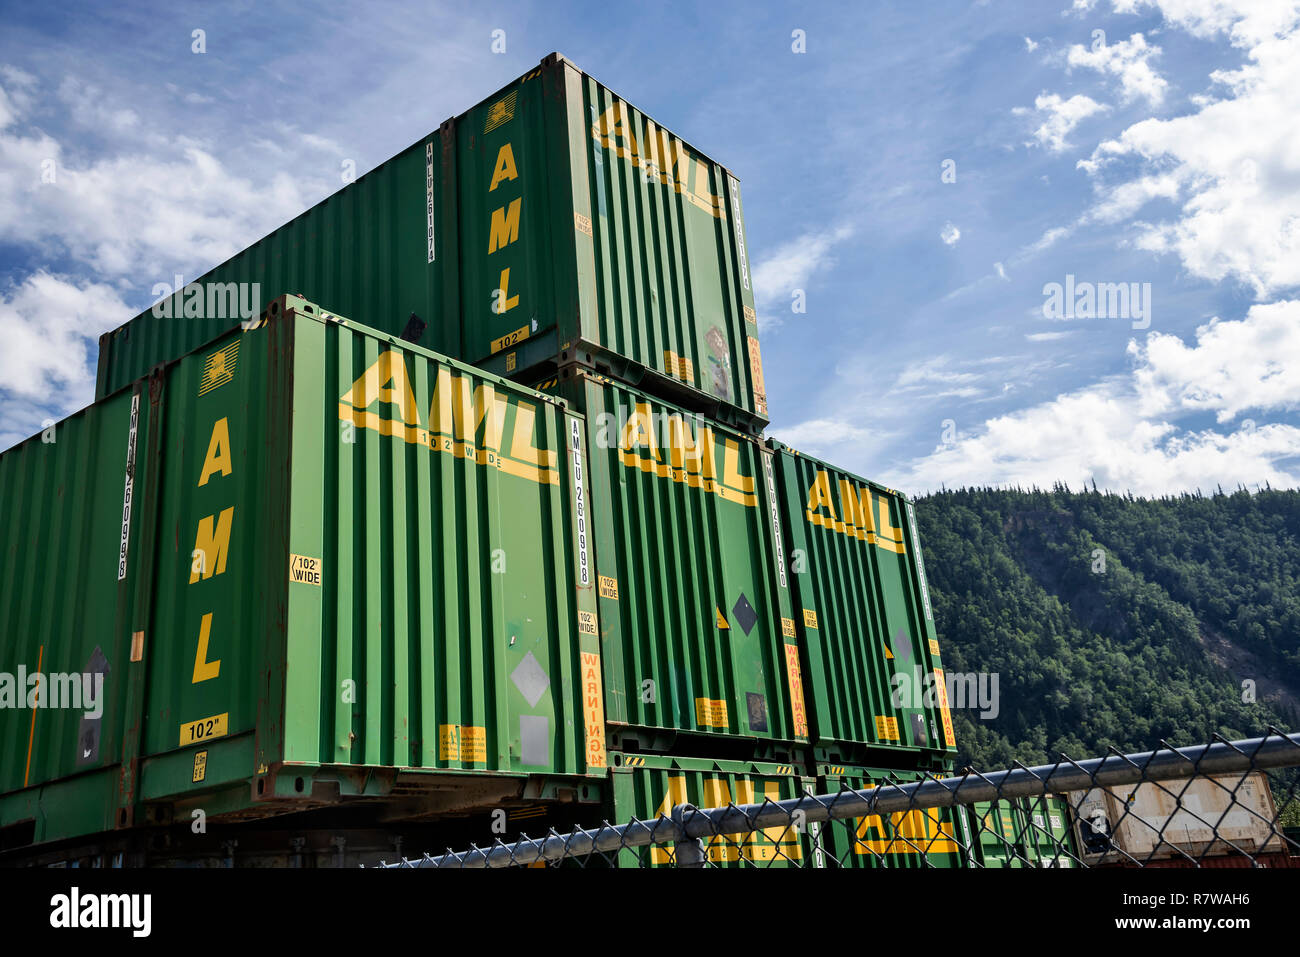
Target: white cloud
x=1030 y=45
x=49 y=324
x=1058 y=118
x=1046 y=336
x=131 y=214
x=1123 y=431
x=793 y=264
x=1232 y=166
x=1129 y=61
x=950 y=234
x=1002 y=272
x=1246 y=22
x=1253 y=363
x=816 y=436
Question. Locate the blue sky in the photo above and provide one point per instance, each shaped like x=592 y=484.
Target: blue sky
x=1164 y=150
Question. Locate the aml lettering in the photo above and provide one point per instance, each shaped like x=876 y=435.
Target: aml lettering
x=692 y=455
x=665 y=157
x=859 y=506
x=463 y=420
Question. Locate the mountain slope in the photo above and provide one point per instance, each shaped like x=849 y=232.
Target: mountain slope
x=1115 y=621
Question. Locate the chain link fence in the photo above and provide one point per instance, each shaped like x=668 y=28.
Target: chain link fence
x=1223 y=804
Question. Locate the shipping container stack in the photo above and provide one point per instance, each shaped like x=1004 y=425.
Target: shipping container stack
x=484 y=517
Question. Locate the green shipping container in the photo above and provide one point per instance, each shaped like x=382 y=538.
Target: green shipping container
x=643 y=788
x=875 y=684
x=1024 y=832
x=552 y=223
x=917 y=838
x=342 y=567
x=696 y=629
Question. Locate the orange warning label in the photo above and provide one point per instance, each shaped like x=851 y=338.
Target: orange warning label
x=756 y=368
x=887 y=728
x=794 y=677
x=711 y=713
x=593 y=710
x=949 y=739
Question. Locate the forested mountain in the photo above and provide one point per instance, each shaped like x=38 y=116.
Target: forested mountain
x=1113 y=620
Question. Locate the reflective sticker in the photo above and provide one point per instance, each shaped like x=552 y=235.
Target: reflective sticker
x=744 y=614
x=511 y=359
x=195 y=731
x=721 y=619
x=787 y=627
x=934 y=647
x=809 y=618
x=130 y=487
x=534 y=739
x=582 y=223
x=200 y=767
x=608 y=587
x=887 y=728
x=711 y=713
x=531 y=681
x=587 y=622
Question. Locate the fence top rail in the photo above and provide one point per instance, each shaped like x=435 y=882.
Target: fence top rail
x=687 y=823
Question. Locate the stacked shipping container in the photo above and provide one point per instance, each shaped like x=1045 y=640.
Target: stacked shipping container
x=472 y=578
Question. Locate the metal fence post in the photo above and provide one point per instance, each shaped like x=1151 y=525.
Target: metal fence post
x=689 y=850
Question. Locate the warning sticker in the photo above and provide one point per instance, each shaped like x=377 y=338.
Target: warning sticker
x=934 y=647
x=593 y=710
x=608 y=587
x=787 y=627
x=466 y=743
x=756 y=371
x=949 y=739
x=711 y=713
x=809 y=618
x=721 y=619
x=200 y=767
x=887 y=728
x=794 y=677
x=679 y=367
x=304 y=570
x=587 y=622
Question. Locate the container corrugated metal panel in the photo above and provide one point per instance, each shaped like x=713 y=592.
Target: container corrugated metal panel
x=1025 y=832
x=1144 y=822
x=874 y=678
x=694 y=604
x=363 y=250
x=355 y=564
x=630 y=254
x=551 y=223
x=918 y=838
x=645 y=787
x=63 y=607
